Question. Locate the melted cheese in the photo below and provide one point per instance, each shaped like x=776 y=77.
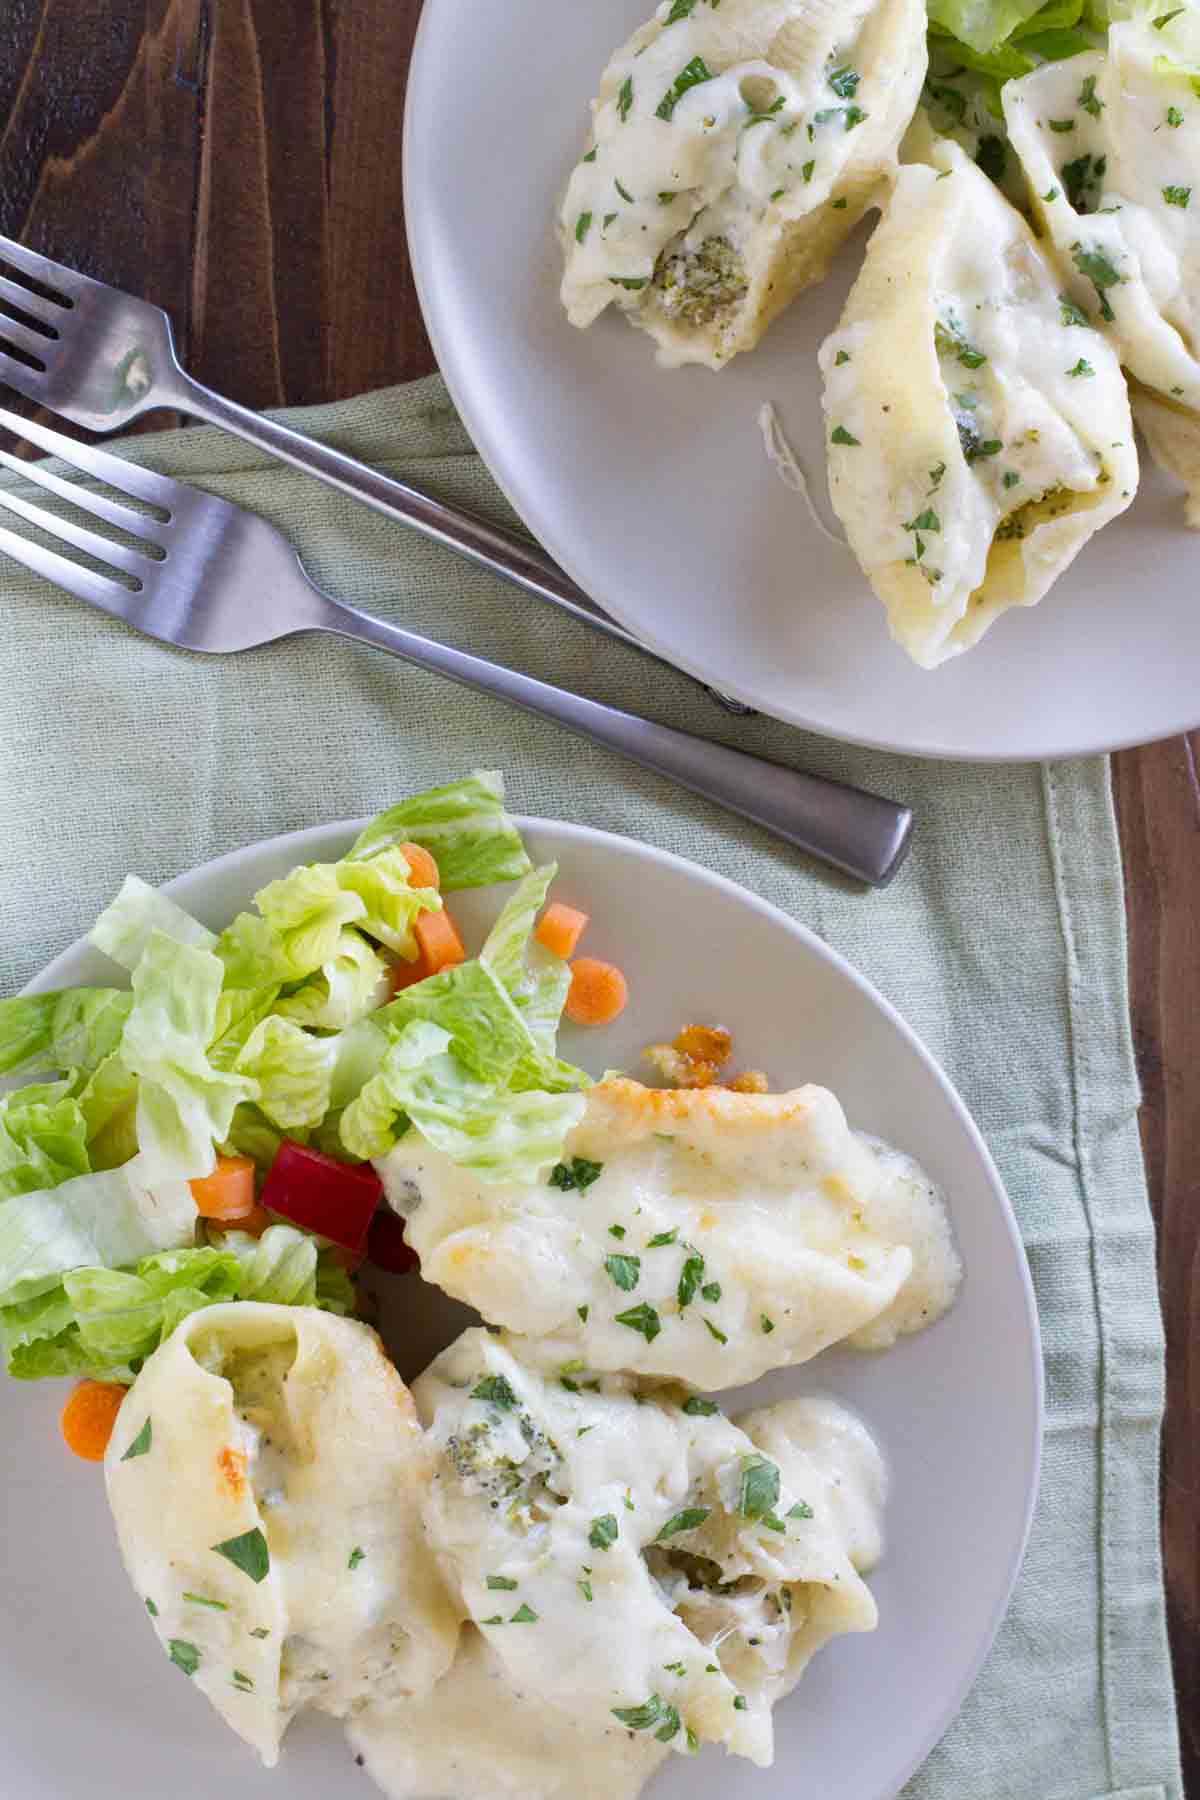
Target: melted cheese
x=979 y=431
x=810 y=1232
x=1110 y=144
x=606 y=1544
x=288 y=1422
x=734 y=148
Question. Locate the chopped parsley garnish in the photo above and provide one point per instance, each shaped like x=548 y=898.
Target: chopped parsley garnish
x=676 y=1668
x=852 y=115
x=690 y=1519
x=698 y=1408
x=260 y=1631
x=202 y=1600
x=801 y=1510
x=624 y=1270
x=662 y=1238
x=625 y=98
x=243 y=1682
x=715 y=1331
x=926 y=521
x=690 y=76
x=524 y=1615
x=357 y=1555
x=1062 y=124
x=617 y=1231
x=691 y=1275
x=608 y=219
x=497 y=1389
x=655 y=1712
x=1177 y=196
x=151 y=1608
x=839 y=435
x=711 y=1291
x=603 y=1532
x=185 y=1656
x=583 y=225
x=767 y=1324
x=992 y=156
x=838 y=205
x=249 y=1553
x=1164 y=19
x=641 y=1318
x=935 y=476
x=772 y=1523
x=591 y=155
x=628 y=1500
x=681 y=9
x=693 y=1742
x=494 y=1620
x=973 y=446
x=1174 y=117
x=1011 y=478
x=807 y=170
x=1082 y=367
x=1099 y=271
x=759 y=1490
x=583 y=1313
x=739 y=1703
x=779 y=193
x=844 y=82
x=624 y=192
x=1070 y=313
x=585 y=1588
x=1050 y=194
x=949 y=340
x=1087 y=98
x=666 y=197
x=632 y=282
x=843 y=356
x=141 y=1443
x=578 y=1174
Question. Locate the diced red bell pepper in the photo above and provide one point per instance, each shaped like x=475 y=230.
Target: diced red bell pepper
x=336 y=1200
x=386 y=1246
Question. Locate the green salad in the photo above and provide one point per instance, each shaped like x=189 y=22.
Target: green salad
x=282 y=1054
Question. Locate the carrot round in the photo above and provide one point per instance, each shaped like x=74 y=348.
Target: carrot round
x=598 y=992
x=228 y=1193
x=438 y=947
x=560 y=928
x=255 y=1221
x=89 y=1416
x=422 y=866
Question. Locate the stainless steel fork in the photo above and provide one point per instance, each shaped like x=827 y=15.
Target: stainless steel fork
x=103 y=358
x=210 y=576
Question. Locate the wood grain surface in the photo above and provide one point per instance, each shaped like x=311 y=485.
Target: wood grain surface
x=238 y=161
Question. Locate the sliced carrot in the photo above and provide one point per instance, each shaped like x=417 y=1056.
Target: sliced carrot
x=598 y=992
x=228 y=1193
x=89 y=1416
x=438 y=947
x=255 y=1221
x=560 y=928
x=422 y=866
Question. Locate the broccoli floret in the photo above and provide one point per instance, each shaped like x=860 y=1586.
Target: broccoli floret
x=488 y=1462
x=695 y=286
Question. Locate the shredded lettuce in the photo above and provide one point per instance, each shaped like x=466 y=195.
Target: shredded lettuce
x=125 y=925
x=502 y=1136
x=292 y=1071
x=392 y=904
x=463 y=825
x=370 y=1123
x=46 y=1034
x=982 y=24
x=535 y=979
x=343 y=991
x=43 y=1138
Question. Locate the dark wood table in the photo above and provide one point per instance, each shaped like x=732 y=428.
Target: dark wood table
x=238 y=161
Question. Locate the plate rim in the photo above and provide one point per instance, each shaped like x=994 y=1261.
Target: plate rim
x=419 y=93
x=808 y=939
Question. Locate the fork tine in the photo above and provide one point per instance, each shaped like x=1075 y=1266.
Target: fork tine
x=158 y=490
x=117 y=556
x=18 y=375
x=123 y=517
x=109 y=596
x=26 y=301
x=24 y=337
x=41 y=268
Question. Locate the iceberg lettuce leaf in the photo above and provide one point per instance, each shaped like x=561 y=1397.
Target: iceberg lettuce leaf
x=45 y=1034
x=125 y=925
x=463 y=825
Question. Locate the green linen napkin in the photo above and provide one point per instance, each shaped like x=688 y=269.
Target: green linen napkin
x=1002 y=942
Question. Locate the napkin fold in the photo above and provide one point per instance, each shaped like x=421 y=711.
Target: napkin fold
x=1002 y=942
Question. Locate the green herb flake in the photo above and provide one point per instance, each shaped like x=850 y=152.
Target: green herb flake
x=497 y=1390
x=739 y=1703
x=681 y=9
x=842 y=357
x=801 y=1510
x=1088 y=100
x=758 y=1493
x=608 y=219
x=767 y=1324
x=625 y=98
x=926 y=521
x=669 y=1727
x=260 y=1631
x=583 y=1313
x=141 y=1443
x=494 y=1620
x=1174 y=117
x=628 y=1500
x=202 y=1600
x=711 y=1291
x=662 y=1238
x=642 y=1718
x=1082 y=367
x=502 y=1583
x=242 y=1682
x=1050 y=194
x=690 y=1519
x=579 y=1174
x=603 y=1532
x=772 y=1522
x=807 y=170
x=524 y=1615
x=357 y=1555
x=249 y=1553
x=185 y=1656
x=583 y=225
x=1011 y=478
x=693 y=1742
x=641 y=1318
x=838 y=205
x=844 y=82
x=1069 y=313
x=1062 y=124
x=690 y=76
x=698 y=1408
x=716 y=1332
x=676 y=1668
x=779 y=193
x=666 y=197
x=585 y=1588
x=591 y=155
x=1177 y=196
x=1164 y=19
x=839 y=435
x=617 y=1231
x=151 y=1608
x=690 y=1278
x=935 y=476
x=633 y=282
x=624 y=192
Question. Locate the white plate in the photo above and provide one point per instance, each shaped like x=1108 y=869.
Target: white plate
x=652 y=488
x=89 y=1704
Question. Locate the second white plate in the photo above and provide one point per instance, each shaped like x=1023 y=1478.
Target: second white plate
x=652 y=488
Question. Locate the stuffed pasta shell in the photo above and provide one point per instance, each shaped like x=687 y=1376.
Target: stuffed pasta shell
x=1110 y=143
x=978 y=428
x=266 y=1477
x=694 y=1233
x=633 y=1555
x=735 y=145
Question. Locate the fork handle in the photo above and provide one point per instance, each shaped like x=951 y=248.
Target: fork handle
x=514 y=559
x=859 y=833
